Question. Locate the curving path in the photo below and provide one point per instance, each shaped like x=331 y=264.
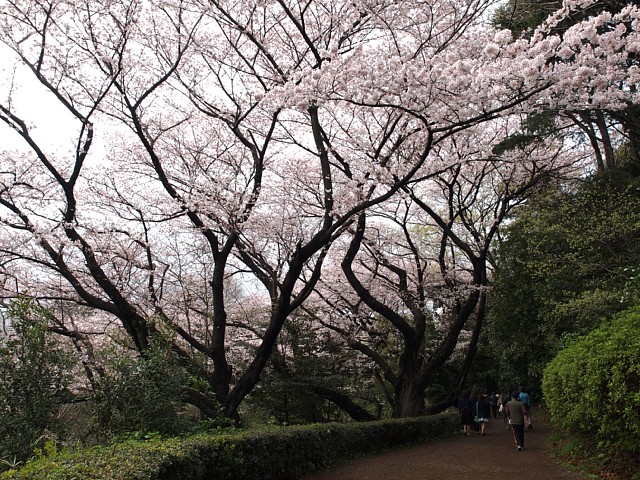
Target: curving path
x=492 y=457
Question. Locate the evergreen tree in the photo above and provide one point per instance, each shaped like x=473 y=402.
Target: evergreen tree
x=567 y=260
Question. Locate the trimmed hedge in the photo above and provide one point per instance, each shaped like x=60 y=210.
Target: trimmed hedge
x=285 y=453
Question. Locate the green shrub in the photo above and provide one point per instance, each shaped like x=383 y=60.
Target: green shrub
x=282 y=453
x=139 y=393
x=33 y=384
x=592 y=387
x=128 y=460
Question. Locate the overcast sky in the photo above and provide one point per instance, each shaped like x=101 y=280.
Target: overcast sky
x=48 y=122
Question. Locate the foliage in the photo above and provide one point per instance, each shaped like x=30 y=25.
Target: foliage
x=309 y=371
x=34 y=382
x=283 y=453
x=140 y=393
x=583 y=454
x=534 y=128
x=523 y=16
x=567 y=259
x=593 y=385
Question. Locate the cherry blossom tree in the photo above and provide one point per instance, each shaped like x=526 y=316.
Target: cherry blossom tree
x=216 y=147
x=606 y=130
x=419 y=268
x=466 y=218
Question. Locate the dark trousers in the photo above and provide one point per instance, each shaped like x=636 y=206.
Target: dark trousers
x=518 y=434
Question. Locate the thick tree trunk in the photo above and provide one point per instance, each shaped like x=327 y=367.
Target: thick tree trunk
x=451 y=398
x=409 y=401
x=207 y=406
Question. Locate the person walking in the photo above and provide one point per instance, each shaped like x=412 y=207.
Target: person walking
x=516 y=413
x=483 y=411
x=466 y=412
x=523 y=396
x=474 y=402
x=493 y=402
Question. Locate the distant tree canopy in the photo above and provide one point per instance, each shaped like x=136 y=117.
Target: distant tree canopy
x=568 y=259
x=523 y=16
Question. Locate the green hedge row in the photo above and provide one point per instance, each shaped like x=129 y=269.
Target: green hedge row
x=284 y=453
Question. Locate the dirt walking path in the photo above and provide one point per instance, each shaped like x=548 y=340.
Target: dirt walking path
x=476 y=457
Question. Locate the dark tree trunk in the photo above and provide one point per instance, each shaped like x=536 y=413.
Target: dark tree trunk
x=409 y=401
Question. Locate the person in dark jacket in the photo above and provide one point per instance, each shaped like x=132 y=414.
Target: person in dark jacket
x=466 y=412
x=483 y=412
x=474 y=401
x=493 y=402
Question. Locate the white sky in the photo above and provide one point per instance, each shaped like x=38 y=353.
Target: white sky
x=48 y=122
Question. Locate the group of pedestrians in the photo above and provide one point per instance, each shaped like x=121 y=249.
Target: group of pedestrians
x=515 y=407
x=475 y=410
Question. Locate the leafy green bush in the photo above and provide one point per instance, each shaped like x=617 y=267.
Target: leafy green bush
x=282 y=453
x=592 y=387
x=127 y=460
x=140 y=393
x=33 y=383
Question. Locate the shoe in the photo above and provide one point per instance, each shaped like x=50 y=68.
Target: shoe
x=519 y=448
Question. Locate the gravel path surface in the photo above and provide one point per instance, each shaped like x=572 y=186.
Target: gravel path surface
x=476 y=457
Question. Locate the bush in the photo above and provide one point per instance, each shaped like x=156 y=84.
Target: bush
x=592 y=387
x=33 y=384
x=283 y=453
x=141 y=393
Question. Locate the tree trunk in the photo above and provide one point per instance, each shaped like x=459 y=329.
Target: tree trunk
x=409 y=401
x=451 y=398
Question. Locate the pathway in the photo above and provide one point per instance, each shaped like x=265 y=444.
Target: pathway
x=490 y=457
